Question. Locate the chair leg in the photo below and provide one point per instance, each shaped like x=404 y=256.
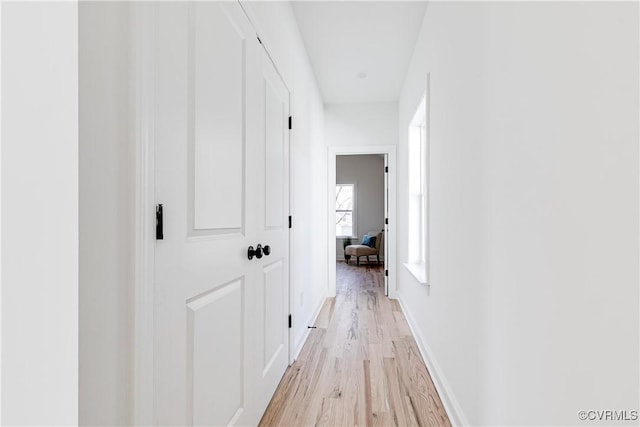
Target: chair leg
x=368 y=262
x=378 y=256
x=358 y=261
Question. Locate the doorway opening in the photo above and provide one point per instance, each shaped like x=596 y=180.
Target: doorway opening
x=360 y=217
x=361 y=205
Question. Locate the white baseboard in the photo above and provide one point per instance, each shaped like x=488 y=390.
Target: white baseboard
x=451 y=405
x=305 y=334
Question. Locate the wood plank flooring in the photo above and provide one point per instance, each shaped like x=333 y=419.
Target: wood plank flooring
x=360 y=366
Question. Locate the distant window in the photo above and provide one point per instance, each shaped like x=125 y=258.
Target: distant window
x=345 y=218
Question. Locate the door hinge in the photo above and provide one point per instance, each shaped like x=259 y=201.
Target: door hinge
x=386 y=221
x=290 y=122
x=386 y=272
x=159 y=230
x=289 y=321
x=289 y=221
x=386 y=169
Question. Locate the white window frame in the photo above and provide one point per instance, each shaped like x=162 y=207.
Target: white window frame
x=418 y=206
x=354 y=229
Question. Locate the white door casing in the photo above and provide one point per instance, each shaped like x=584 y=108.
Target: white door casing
x=221 y=339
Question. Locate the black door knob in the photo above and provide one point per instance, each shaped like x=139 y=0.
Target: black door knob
x=257 y=252
x=267 y=250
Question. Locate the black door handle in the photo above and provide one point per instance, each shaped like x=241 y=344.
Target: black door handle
x=267 y=250
x=257 y=252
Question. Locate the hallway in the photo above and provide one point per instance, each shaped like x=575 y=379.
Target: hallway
x=170 y=223
x=360 y=366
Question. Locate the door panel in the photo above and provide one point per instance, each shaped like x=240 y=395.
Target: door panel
x=216 y=128
x=217 y=313
x=274 y=293
x=274 y=140
x=222 y=173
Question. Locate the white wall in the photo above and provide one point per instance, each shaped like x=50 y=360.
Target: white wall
x=106 y=215
x=39 y=213
x=532 y=313
x=367 y=173
x=361 y=124
x=350 y=128
x=279 y=32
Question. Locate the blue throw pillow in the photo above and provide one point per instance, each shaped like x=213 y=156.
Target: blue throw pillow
x=369 y=241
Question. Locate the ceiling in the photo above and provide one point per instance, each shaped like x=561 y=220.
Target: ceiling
x=359 y=50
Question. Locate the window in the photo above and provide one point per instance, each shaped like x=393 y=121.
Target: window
x=417 y=262
x=345 y=218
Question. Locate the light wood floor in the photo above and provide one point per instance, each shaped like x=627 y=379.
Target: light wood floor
x=360 y=366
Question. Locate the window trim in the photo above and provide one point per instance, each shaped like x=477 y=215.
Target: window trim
x=354 y=221
x=418 y=259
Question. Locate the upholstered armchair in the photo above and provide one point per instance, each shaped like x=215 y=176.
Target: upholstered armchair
x=364 y=250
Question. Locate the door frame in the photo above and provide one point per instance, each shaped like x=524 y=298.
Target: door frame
x=143 y=62
x=390 y=242
x=143 y=80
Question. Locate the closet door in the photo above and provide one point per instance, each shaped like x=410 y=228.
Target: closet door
x=273 y=230
x=222 y=179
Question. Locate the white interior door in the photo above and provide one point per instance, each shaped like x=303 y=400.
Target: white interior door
x=221 y=176
x=386 y=225
x=273 y=230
